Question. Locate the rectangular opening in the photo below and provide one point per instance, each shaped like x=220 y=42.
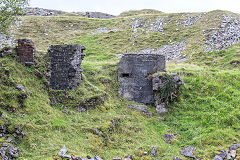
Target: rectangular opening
x=125 y=75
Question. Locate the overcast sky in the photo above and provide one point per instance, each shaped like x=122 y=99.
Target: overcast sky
x=115 y=7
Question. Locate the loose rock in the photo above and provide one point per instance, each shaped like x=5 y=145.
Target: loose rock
x=142 y=108
x=188 y=152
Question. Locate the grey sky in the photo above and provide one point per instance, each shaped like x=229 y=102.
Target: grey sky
x=117 y=6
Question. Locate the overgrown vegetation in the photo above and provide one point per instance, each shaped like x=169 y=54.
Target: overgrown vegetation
x=207 y=115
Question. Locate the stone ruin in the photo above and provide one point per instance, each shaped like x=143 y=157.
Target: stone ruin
x=134 y=71
x=25 y=51
x=143 y=79
x=65 y=61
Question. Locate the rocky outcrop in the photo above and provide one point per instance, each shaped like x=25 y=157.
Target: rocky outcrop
x=42 y=12
x=166 y=89
x=99 y=15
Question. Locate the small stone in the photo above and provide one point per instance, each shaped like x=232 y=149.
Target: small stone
x=176 y=158
x=161 y=118
x=21 y=88
x=234 y=146
x=217 y=157
x=188 y=152
x=81 y=109
x=142 y=108
x=168 y=138
x=63 y=151
x=161 y=108
x=65 y=111
x=145 y=153
x=88 y=157
x=117 y=158
x=154 y=151
x=233 y=153
x=96 y=157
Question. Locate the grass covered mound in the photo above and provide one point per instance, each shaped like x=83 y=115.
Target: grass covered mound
x=206 y=115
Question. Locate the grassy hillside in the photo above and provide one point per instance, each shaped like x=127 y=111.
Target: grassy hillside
x=207 y=114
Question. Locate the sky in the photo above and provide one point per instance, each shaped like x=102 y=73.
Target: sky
x=116 y=7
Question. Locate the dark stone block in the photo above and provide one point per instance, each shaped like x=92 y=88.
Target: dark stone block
x=65 y=66
x=134 y=71
x=26 y=51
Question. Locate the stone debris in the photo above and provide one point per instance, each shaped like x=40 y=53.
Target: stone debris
x=103 y=30
x=226 y=35
x=66 y=68
x=142 y=108
x=168 y=138
x=171 y=52
x=234 y=146
x=191 y=20
x=154 y=151
x=188 y=152
x=9 y=152
x=21 y=88
x=98 y=15
x=161 y=108
x=7 y=40
x=158 y=25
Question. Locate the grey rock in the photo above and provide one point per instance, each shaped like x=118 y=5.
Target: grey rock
x=21 y=88
x=145 y=153
x=117 y=158
x=154 y=151
x=63 y=151
x=233 y=153
x=188 y=152
x=81 y=109
x=161 y=118
x=42 y=12
x=191 y=20
x=8 y=152
x=168 y=137
x=65 y=111
x=234 y=146
x=96 y=157
x=161 y=108
x=217 y=157
x=226 y=35
x=99 y=15
x=103 y=30
x=142 y=108
x=176 y=158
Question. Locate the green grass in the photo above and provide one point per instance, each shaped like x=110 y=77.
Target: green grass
x=206 y=115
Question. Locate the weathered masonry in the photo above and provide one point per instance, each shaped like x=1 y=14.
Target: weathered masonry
x=26 y=51
x=133 y=73
x=65 y=61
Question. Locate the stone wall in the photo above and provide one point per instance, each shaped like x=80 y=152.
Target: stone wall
x=133 y=73
x=25 y=51
x=66 y=68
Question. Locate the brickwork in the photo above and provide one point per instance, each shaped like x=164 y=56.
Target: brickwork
x=26 y=51
x=66 y=68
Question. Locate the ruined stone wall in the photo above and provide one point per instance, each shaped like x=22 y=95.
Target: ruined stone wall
x=133 y=73
x=25 y=51
x=65 y=61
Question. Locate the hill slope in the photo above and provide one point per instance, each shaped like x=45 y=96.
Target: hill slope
x=206 y=116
